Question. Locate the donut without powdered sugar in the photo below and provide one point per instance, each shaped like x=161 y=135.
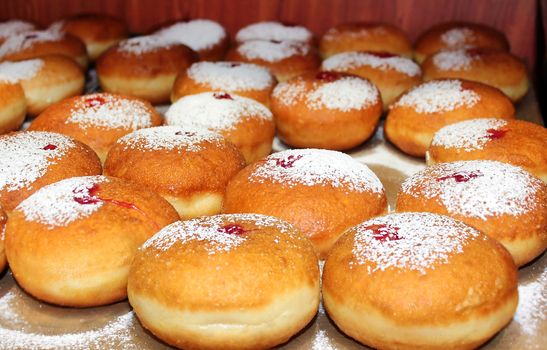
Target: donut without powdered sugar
x=3 y=219
x=13 y=106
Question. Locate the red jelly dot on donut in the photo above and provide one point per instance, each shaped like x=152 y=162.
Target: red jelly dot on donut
x=275 y=41
x=382 y=54
x=222 y=96
x=31 y=36
x=384 y=232
x=287 y=162
x=232 y=229
x=494 y=134
x=87 y=195
x=94 y=101
x=462 y=176
x=49 y=147
x=235 y=64
x=185 y=133
x=328 y=76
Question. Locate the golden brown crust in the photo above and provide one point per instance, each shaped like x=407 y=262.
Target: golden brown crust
x=412 y=132
x=360 y=36
x=79 y=254
x=3 y=219
x=13 y=106
x=483 y=36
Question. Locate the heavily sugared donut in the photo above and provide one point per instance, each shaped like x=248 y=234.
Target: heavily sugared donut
x=13 y=106
x=326 y=110
x=97 y=31
x=501 y=200
x=489 y=66
x=144 y=67
x=225 y=282
x=97 y=120
x=515 y=142
x=207 y=38
x=3 y=219
x=285 y=59
x=419 y=281
x=323 y=193
x=30 y=160
x=14 y=27
x=276 y=31
x=244 y=79
x=39 y=43
x=242 y=121
x=71 y=243
x=45 y=81
x=391 y=74
x=458 y=35
x=374 y=37
x=188 y=167
x=415 y=117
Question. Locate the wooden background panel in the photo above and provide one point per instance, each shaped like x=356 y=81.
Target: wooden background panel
x=517 y=18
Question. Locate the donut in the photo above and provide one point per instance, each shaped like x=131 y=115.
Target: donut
x=272 y=30
x=39 y=43
x=97 y=31
x=14 y=27
x=321 y=192
x=13 y=106
x=207 y=38
x=328 y=110
x=515 y=142
x=419 y=281
x=244 y=79
x=242 y=281
x=29 y=160
x=3 y=219
x=489 y=66
x=190 y=168
x=458 y=35
x=71 y=243
x=501 y=200
x=374 y=37
x=420 y=112
x=144 y=67
x=242 y=121
x=285 y=59
x=392 y=74
x=97 y=120
x=45 y=81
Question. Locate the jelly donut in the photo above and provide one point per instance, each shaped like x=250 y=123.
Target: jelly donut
x=415 y=117
x=326 y=110
x=488 y=66
x=207 y=38
x=244 y=79
x=242 y=121
x=98 y=32
x=515 y=142
x=71 y=243
x=374 y=37
x=277 y=31
x=39 y=43
x=228 y=282
x=97 y=120
x=391 y=74
x=188 y=167
x=45 y=81
x=3 y=219
x=13 y=106
x=14 y=27
x=419 y=281
x=30 y=160
x=144 y=67
x=285 y=59
x=501 y=200
x=458 y=35
x=321 y=192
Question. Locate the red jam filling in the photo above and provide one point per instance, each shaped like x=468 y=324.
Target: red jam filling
x=30 y=36
x=384 y=232
x=382 y=54
x=235 y=64
x=494 y=134
x=275 y=41
x=185 y=133
x=287 y=162
x=222 y=96
x=328 y=76
x=462 y=176
x=232 y=229
x=95 y=101
x=49 y=147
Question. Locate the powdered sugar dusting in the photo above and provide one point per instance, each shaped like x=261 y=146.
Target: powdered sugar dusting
x=344 y=94
x=345 y=61
x=311 y=167
x=110 y=111
x=27 y=40
x=198 y=34
x=424 y=241
x=468 y=135
x=355 y=32
x=438 y=96
x=532 y=310
x=24 y=156
x=231 y=76
x=22 y=70
x=273 y=31
x=479 y=189
x=457 y=60
x=270 y=51
x=457 y=37
x=211 y=231
x=169 y=138
x=14 y=27
x=289 y=93
x=145 y=44
x=56 y=205
x=205 y=110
